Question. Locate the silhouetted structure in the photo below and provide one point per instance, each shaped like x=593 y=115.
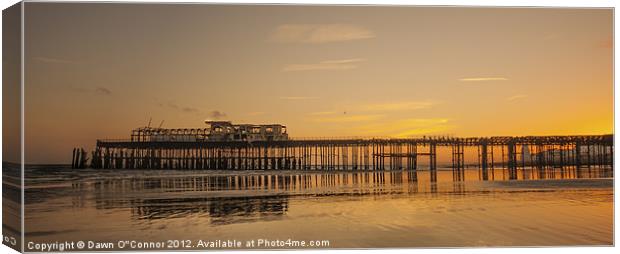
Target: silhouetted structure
x=215 y=131
x=352 y=154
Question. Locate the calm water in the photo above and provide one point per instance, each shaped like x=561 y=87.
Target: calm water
x=560 y=206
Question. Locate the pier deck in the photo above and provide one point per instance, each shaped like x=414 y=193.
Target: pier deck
x=350 y=153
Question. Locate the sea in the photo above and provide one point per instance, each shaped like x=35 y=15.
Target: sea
x=285 y=209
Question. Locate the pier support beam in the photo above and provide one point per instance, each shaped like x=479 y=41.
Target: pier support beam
x=433 y=156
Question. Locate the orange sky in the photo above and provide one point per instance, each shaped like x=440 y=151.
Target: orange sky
x=99 y=70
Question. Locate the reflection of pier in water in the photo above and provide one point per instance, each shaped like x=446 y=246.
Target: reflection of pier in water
x=292 y=182
x=219 y=209
x=238 y=198
x=354 y=154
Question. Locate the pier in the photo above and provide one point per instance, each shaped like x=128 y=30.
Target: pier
x=351 y=154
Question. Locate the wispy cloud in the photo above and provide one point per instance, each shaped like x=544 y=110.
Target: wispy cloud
x=516 y=97
x=297 y=98
x=53 y=60
x=92 y=90
x=407 y=127
x=347 y=118
x=404 y=105
x=475 y=79
x=334 y=65
x=423 y=131
x=323 y=113
x=319 y=33
x=174 y=106
x=103 y=90
x=189 y=110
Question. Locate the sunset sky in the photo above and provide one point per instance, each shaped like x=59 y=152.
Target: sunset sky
x=99 y=70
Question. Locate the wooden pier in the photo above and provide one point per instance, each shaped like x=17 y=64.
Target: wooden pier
x=351 y=154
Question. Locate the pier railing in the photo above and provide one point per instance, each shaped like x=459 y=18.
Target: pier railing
x=439 y=140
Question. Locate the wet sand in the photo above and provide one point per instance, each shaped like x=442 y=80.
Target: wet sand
x=350 y=209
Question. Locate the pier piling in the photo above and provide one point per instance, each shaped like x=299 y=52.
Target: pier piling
x=348 y=154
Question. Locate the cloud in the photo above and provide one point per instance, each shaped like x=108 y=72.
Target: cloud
x=483 y=79
x=396 y=106
x=422 y=131
x=53 y=60
x=333 y=65
x=185 y=109
x=347 y=118
x=96 y=90
x=516 y=97
x=103 y=90
x=216 y=114
x=322 y=113
x=345 y=61
x=296 y=98
x=170 y=105
x=189 y=109
x=407 y=127
x=319 y=33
